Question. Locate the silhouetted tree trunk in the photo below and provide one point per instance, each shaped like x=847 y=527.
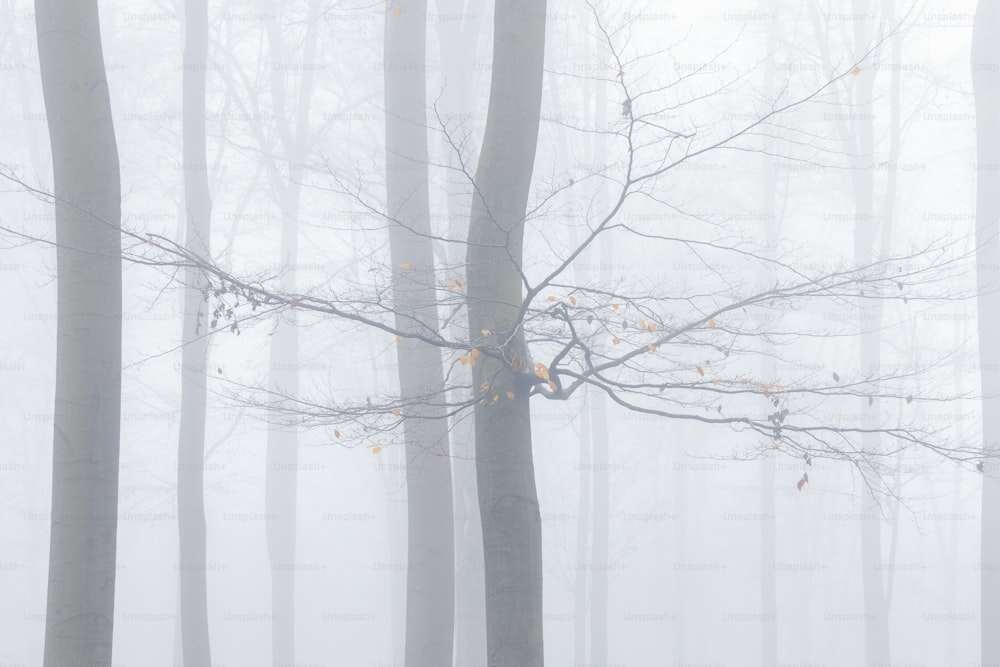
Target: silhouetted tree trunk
x=194 y=359
x=430 y=608
x=508 y=500
x=81 y=587
x=986 y=81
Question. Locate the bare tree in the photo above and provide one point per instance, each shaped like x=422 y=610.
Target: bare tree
x=508 y=500
x=195 y=643
x=666 y=351
x=81 y=586
x=460 y=25
x=430 y=571
x=282 y=441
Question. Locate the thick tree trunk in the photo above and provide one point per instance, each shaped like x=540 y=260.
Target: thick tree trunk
x=194 y=360
x=81 y=586
x=430 y=608
x=508 y=500
x=986 y=80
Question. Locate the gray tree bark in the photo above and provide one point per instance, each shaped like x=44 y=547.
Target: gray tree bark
x=508 y=499
x=600 y=552
x=583 y=527
x=866 y=226
x=986 y=82
x=281 y=474
x=81 y=585
x=430 y=577
x=768 y=531
x=459 y=28
x=195 y=646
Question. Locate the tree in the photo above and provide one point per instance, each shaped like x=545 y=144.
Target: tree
x=857 y=134
x=430 y=576
x=196 y=649
x=281 y=473
x=986 y=82
x=669 y=351
x=87 y=192
x=459 y=29
x=508 y=500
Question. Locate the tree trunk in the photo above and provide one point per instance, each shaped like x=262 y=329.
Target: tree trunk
x=986 y=81
x=600 y=555
x=865 y=227
x=458 y=42
x=768 y=529
x=81 y=586
x=281 y=484
x=583 y=527
x=430 y=603
x=194 y=360
x=508 y=500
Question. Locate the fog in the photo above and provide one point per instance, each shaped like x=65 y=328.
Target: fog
x=586 y=333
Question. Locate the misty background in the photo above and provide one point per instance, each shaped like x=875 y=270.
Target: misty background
x=689 y=506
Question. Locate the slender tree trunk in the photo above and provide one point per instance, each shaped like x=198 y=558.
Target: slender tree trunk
x=458 y=41
x=508 y=500
x=583 y=527
x=600 y=554
x=584 y=520
x=986 y=81
x=681 y=609
x=81 y=587
x=768 y=531
x=191 y=448
x=430 y=593
x=281 y=484
x=865 y=227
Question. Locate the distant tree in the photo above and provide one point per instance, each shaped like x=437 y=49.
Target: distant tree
x=430 y=560
x=196 y=649
x=986 y=82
